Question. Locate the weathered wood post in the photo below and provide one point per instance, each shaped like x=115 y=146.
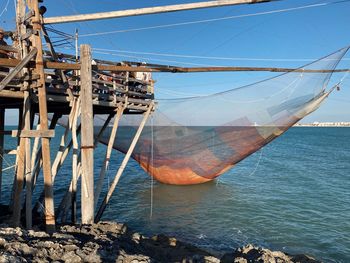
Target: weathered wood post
x=87 y=137
x=45 y=142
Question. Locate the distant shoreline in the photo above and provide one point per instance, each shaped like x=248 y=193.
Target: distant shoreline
x=323 y=124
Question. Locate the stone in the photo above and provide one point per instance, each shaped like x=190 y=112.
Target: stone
x=93 y=258
x=240 y=260
x=71 y=257
x=63 y=236
x=41 y=234
x=41 y=253
x=211 y=259
x=136 y=237
x=26 y=250
x=172 y=241
x=8 y=258
x=2 y=242
x=68 y=248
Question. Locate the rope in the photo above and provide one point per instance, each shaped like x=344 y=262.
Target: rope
x=153 y=59
x=8 y=168
x=209 y=20
x=212 y=57
x=9 y=165
x=5 y=8
x=257 y=164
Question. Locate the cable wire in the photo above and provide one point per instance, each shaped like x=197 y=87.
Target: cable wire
x=210 y=20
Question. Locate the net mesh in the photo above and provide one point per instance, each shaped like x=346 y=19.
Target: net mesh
x=197 y=139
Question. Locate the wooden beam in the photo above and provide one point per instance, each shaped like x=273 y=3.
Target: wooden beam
x=108 y=154
x=147 y=11
x=18 y=68
x=123 y=165
x=45 y=142
x=87 y=137
x=11 y=94
x=168 y=69
x=19 y=177
x=8 y=49
x=34 y=133
x=10 y=152
x=75 y=160
x=28 y=169
x=20 y=162
x=2 y=132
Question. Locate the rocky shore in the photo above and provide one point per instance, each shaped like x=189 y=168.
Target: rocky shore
x=113 y=242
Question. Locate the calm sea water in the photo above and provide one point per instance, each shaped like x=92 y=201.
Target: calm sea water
x=293 y=195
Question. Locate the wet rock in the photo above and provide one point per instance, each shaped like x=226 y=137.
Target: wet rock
x=250 y=253
x=211 y=259
x=304 y=259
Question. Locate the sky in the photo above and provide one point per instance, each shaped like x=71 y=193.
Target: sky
x=286 y=33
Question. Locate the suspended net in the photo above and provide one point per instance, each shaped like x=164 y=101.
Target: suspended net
x=194 y=140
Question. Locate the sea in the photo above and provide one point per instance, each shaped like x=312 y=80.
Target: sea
x=292 y=195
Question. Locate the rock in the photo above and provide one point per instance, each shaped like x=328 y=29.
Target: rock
x=2 y=242
x=63 y=236
x=240 y=260
x=112 y=242
x=8 y=258
x=71 y=257
x=26 y=250
x=250 y=253
x=304 y=259
x=41 y=253
x=68 y=248
x=41 y=234
x=211 y=259
x=136 y=237
x=93 y=258
x=7 y=231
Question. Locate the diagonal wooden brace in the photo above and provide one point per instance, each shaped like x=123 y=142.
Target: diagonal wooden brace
x=18 y=68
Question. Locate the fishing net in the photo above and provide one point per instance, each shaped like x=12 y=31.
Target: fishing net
x=194 y=140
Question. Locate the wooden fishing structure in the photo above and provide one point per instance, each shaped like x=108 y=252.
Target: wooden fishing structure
x=38 y=82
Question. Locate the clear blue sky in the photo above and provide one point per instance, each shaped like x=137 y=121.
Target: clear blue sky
x=307 y=33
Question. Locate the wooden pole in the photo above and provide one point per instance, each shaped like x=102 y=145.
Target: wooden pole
x=87 y=137
x=20 y=162
x=75 y=160
x=148 y=10
x=28 y=170
x=103 y=128
x=65 y=202
x=63 y=144
x=123 y=164
x=108 y=154
x=169 y=69
x=37 y=160
x=18 y=68
x=15 y=186
x=19 y=179
x=2 y=128
x=45 y=142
